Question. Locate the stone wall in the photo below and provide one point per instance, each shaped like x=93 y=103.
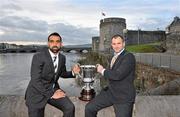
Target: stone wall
x=145 y=106
x=172 y=43
x=175 y=28
x=144 y=37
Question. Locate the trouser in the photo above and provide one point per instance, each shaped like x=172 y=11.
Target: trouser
x=64 y=104
x=103 y=100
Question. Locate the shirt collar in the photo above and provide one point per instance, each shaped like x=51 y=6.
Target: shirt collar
x=118 y=52
x=52 y=54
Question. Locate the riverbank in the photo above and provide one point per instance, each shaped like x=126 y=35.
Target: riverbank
x=145 y=106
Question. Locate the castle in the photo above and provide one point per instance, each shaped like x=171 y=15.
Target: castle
x=112 y=26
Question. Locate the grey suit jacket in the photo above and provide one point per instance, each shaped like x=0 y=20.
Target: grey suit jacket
x=40 y=87
x=121 y=78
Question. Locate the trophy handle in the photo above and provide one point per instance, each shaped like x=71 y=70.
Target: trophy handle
x=79 y=76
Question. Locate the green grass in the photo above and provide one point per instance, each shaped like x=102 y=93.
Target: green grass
x=147 y=48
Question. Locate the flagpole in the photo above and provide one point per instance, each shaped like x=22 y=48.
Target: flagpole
x=103 y=15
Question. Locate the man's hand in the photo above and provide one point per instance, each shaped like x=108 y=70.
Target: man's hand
x=99 y=68
x=76 y=69
x=58 y=94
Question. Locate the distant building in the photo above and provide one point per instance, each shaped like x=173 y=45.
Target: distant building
x=8 y=46
x=173 y=36
x=174 y=27
x=2 y=46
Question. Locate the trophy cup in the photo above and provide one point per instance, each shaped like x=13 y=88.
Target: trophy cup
x=87 y=75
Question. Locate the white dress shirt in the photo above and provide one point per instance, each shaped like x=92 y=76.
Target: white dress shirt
x=57 y=58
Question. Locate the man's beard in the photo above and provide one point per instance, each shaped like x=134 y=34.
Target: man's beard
x=55 y=49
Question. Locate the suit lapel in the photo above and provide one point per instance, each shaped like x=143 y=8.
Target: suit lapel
x=119 y=58
x=59 y=63
x=49 y=59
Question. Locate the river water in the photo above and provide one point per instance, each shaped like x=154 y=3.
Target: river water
x=15 y=74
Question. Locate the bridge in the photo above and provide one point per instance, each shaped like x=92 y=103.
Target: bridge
x=37 y=49
x=77 y=49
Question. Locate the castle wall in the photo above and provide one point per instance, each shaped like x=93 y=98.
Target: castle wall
x=144 y=37
x=132 y=37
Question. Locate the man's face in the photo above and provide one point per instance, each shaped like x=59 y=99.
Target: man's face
x=54 y=43
x=117 y=44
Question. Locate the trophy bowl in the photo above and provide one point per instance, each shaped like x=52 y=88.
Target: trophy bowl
x=87 y=74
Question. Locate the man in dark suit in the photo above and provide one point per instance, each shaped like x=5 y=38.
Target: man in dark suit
x=47 y=66
x=120 y=92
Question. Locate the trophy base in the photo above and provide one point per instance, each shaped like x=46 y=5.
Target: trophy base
x=87 y=95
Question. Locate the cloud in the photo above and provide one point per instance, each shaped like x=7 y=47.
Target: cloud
x=23 y=23
x=9 y=7
x=153 y=24
x=77 y=21
x=16 y=28
x=137 y=13
x=73 y=34
x=23 y=36
x=23 y=28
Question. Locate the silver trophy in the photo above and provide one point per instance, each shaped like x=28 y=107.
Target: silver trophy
x=87 y=75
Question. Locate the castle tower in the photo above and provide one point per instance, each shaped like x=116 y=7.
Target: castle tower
x=108 y=28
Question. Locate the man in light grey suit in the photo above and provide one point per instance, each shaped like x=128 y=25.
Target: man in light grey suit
x=120 y=92
x=47 y=66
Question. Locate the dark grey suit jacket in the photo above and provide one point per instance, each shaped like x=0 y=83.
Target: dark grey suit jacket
x=40 y=87
x=121 y=78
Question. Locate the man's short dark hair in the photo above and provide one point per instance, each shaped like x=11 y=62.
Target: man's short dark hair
x=55 y=34
x=118 y=36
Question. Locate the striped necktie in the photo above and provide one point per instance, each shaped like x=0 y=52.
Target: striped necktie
x=55 y=63
x=55 y=67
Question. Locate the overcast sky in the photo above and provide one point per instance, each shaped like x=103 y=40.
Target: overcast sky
x=28 y=21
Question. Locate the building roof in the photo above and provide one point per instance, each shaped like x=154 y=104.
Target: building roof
x=175 y=22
